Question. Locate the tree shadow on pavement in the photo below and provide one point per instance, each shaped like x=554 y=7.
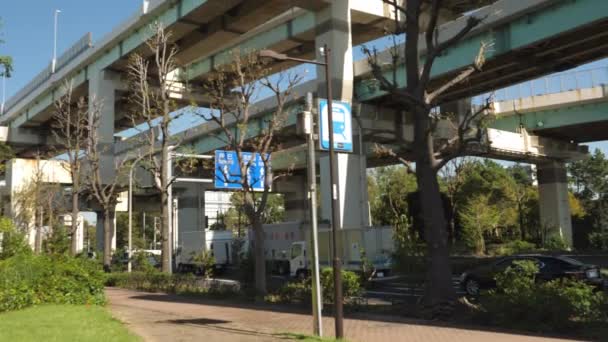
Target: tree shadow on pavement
x=216 y=324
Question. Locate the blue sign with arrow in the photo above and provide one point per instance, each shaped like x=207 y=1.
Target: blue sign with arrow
x=228 y=170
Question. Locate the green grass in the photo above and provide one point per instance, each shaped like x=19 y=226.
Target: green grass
x=306 y=338
x=62 y=323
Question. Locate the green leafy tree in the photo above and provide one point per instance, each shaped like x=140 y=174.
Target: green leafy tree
x=235 y=219
x=390 y=187
x=589 y=181
x=490 y=179
x=478 y=217
x=5 y=61
x=122 y=230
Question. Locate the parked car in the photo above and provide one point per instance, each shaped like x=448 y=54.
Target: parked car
x=550 y=268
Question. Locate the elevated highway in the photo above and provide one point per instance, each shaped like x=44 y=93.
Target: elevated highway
x=527 y=43
x=569 y=107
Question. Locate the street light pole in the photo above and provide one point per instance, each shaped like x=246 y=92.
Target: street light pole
x=54 y=61
x=130 y=249
x=335 y=222
x=335 y=213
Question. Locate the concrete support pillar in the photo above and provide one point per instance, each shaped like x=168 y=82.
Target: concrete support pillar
x=554 y=205
x=190 y=211
x=334 y=29
x=352 y=185
x=99 y=230
x=294 y=191
x=102 y=90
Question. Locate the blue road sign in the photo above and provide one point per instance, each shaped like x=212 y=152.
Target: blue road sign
x=228 y=170
x=343 y=128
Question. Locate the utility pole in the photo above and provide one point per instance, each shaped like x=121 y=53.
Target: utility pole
x=54 y=61
x=305 y=127
x=335 y=221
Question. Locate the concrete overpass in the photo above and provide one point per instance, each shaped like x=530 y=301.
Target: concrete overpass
x=569 y=107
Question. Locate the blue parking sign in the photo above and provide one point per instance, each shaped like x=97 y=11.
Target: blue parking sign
x=228 y=170
x=342 y=122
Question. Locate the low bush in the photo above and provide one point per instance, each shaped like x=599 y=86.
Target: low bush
x=599 y=240
x=301 y=291
x=523 y=303
x=293 y=292
x=169 y=283
x=351 y=284
x=515 y=247
x=37 y=279
x=12 y=241
x=556 y=243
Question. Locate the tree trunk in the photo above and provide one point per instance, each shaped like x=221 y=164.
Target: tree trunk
x=165 y=238
x=74 y=228
x=439 y=290
x=38 y=217
x=108 y=233
x=453 y=223
x=260 y=260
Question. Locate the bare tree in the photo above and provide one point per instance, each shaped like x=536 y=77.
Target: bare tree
x=105 y=191
x=35 y=204
x=419 y=98
x=151 y=83
x=70 y=129
x=232 y=90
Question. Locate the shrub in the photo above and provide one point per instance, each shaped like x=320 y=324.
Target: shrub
x=556 y=243
x=141 y=262
x=207 y=261
x=169 y=283
x=559 y=305
x=599 y=240
x=301 y=291
x=351 y=284
x=12 y=241
x=516 y=247
x=36 y=279
x=58 y=242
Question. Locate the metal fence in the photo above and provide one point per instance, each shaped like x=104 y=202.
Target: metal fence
x=552 y=84
x=74 y=51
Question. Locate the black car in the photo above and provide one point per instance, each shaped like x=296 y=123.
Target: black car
x=550 y=268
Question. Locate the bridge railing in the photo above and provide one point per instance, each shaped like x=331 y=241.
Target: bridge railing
x=70 y=54
x=552 y=84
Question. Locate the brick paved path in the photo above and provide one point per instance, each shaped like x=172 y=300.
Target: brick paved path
x=161 y=317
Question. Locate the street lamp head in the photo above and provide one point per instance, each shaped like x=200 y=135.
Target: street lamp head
x=273 y=54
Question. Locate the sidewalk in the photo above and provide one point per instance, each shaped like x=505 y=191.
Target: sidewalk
x=162 y=317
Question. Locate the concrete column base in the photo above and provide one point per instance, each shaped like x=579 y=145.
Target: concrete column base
x=555 y=217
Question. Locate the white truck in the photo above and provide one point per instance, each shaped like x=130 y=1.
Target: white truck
x=287 y=248
x=193 y=243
